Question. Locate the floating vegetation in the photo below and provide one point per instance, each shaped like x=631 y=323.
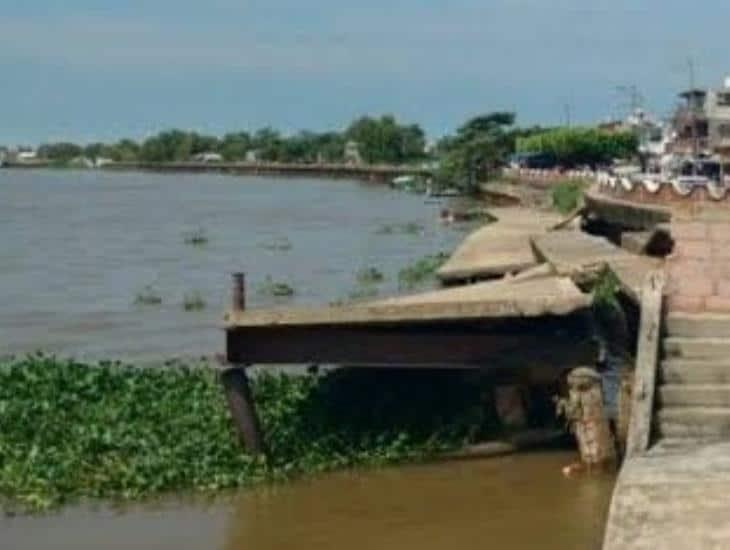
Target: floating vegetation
x=421 y=271
x=194 y=301
x=72 y=430
x=148 y=296
x=277 y=245
x=370 y=276
x=197 y=237
x=362 y=293
x=567 y=195
x=409 y=228
x=275 y=288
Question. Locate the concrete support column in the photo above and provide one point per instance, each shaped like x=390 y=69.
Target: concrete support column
x=584 y=410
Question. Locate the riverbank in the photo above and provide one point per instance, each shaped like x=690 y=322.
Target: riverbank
x=383 y=173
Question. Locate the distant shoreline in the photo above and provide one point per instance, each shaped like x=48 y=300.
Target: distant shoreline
x=367 y=172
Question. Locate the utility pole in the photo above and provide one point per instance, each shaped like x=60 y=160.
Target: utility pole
x=634 y=98
x=693 y=115
x=567 y=110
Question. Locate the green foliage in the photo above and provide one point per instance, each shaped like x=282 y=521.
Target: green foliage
x=194 y=301
x=71 y=430
x=580 y=146
x=408 y=228
x=148 y=296
x=60 y=153
x=567 y=195
x=198 y=237
x=370 y=276
x=477 y=150
x=384 y=140
x=605 y=291
x=422 y=271
x=276 y=289
x=277 y=245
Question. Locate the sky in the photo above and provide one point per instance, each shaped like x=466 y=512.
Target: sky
x=88 y=70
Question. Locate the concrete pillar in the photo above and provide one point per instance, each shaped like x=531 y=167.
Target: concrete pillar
x=584 y=411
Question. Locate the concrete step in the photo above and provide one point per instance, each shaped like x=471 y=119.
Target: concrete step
x=695 y=371
x=697 y=422
x=698 y=325
x=694 y=395
x=696 y=348
x=671 y=445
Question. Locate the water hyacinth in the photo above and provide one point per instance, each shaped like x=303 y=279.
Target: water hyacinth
x=70 y=430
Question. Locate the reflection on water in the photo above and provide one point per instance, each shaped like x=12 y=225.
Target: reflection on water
x=78 y=246
x=516 y=502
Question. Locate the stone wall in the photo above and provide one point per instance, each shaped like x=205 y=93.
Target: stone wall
x=699 y=266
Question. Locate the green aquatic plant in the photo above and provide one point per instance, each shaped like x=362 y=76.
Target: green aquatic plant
x=70 y=430
x=277 y=289
x=567 y=195
x=148 y=296
x=370 y=276
x=198 y=237
x=193 y=301
x=421 y=271
x=277 y=245
x=362 y=293
x=408 y=228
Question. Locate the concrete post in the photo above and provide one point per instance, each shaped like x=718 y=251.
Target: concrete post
x=584 y=410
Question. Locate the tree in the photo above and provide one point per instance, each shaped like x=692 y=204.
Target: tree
x=60 y=152
x=267 y=142
x=480 y=146
x=167 y=146
x=581 y=146
x=383 y=140
x=234 y=146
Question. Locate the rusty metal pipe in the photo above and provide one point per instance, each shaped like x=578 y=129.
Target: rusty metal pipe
x=238 y=301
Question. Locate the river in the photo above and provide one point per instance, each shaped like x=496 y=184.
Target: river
x=77 y=248
x=515 y=502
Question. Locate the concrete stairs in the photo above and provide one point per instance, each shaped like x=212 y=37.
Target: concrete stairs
x=693 y=392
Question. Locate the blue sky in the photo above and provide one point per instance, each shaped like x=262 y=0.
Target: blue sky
x=87 y=70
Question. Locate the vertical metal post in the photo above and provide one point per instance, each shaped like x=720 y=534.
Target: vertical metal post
x=238 y=301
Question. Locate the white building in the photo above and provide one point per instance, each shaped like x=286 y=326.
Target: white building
x=208 y=157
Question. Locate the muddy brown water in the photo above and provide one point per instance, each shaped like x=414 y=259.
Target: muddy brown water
x=76 y=248
x=513 y=502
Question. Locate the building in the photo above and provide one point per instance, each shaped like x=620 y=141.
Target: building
x=26 y=155
x=702 y=123
x=208 y=157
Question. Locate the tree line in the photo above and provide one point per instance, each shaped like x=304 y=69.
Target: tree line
x=474 y=152
x=379 y=140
